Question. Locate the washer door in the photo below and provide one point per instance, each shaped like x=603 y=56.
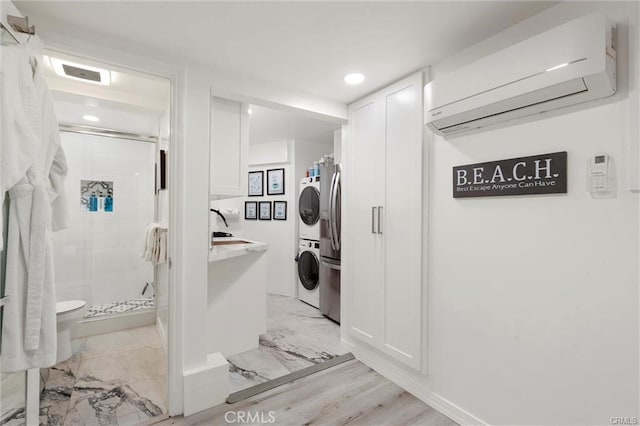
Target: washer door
x=309 y=206
x=308 y=270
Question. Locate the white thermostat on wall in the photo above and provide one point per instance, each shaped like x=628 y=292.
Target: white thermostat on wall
x=601 y=176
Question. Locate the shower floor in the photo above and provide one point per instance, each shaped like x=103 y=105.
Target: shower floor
x=119 y=307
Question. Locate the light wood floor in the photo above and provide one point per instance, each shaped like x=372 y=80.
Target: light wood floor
x=350 y=393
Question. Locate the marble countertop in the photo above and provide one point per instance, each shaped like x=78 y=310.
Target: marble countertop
x=227 y=251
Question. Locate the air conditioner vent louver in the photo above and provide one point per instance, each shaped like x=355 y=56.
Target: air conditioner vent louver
x=567 y=65
x=81 y=73
x=455 y=129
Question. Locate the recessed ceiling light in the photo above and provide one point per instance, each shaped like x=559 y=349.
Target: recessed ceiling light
x=91 y=118
x=80 y=72
x=354 y=78
x=249 y=111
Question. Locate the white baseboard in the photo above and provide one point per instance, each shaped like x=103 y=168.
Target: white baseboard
x=206 y=386
x=410 y=381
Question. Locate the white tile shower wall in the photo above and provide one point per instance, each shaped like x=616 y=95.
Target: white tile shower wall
x=97 y=258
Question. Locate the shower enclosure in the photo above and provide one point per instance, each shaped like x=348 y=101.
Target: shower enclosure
x=111 y=200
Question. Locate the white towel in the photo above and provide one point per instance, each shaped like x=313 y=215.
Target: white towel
x=162 y=247
x=145 y=241
x=20 y=135
x=154 y=246
x=149 y=242
x=57 y=193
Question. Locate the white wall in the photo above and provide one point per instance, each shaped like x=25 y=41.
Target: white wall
x=337 y=146
x=112 y=115
x=282 y=236
x=305 y=154
x=97 y=258
x=270 y=152
x=533 y=301
x=278 y=234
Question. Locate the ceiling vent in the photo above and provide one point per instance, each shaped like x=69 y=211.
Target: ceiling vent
x=81 y=72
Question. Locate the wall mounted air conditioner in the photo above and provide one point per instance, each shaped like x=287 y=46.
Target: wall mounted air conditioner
x=569 y=64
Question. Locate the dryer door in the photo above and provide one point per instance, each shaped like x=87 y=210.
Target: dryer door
x=308 y=270
x=309 y=206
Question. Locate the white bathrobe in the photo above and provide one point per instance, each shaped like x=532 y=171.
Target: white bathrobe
x=19 y=118
x=29 y=332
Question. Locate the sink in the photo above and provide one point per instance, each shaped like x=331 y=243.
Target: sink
x=230 y=242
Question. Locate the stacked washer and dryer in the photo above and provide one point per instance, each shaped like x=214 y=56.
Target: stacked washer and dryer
x=309 y=243
x=319 y=245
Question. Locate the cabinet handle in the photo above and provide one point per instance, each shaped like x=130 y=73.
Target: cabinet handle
x=373 y=219
x=379 y=220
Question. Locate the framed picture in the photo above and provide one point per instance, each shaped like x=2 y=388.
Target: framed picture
x=256 y=187
x=265 y=210
x=250 y=210
x=279 y=210
x=275 y=182
x=163 y=170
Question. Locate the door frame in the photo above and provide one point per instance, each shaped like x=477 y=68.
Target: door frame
x=176 y=77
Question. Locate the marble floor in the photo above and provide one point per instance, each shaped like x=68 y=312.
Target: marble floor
x=112 y=379
x=298 y=336
x=13 y=388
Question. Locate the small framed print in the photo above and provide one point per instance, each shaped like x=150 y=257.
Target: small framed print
x=279 y=210
x=256 y=187
x=163 y=170
x=250 y=210
x=275 y=182
x=265 y=210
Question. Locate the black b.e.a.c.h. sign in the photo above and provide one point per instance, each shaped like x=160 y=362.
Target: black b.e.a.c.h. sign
x=538 y=174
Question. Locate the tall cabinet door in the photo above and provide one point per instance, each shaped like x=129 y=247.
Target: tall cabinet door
x=366 y=188
x=229 y=148
x=402 y=216
x=384 y=205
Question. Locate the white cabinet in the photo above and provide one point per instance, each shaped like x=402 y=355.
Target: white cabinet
x=383 y=230
x=365 y=183
x=229 y=148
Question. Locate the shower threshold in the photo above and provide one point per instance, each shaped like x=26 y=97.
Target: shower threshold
x=121 y=307
x=116 y=316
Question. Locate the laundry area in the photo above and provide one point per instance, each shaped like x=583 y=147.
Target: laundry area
x=288 y=220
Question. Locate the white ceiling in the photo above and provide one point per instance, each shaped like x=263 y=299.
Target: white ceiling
x=306 y=46
x=268 y=125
